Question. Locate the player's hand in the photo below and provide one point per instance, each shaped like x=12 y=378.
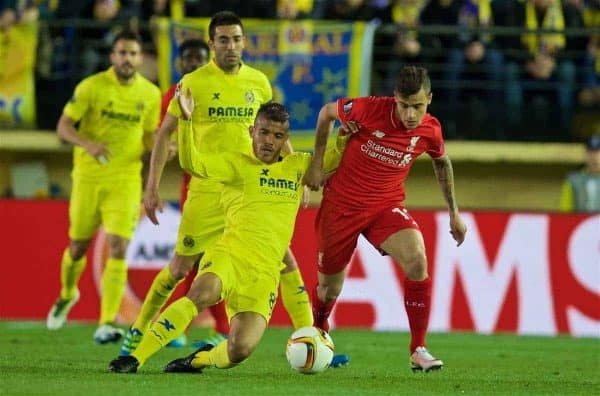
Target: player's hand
x=98 y=151
x=152 y=202
x=172 y=150
x=348 y=128
x=314 y=177
x=458 y=229
x=305 y=196
x=186 y=102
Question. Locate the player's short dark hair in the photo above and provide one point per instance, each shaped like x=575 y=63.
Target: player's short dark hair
x=274 y=112
x=193 y=43
x=128 y=35
x=223 y=18
x=411 y=79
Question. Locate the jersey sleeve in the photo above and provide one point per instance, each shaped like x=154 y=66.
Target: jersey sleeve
x=153 y=112
x=217 y=167
x=333 y=155
x=354 y=109
x=80 y=102
x=436 y=147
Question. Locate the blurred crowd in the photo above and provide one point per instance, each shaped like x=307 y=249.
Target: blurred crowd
x=489 y=78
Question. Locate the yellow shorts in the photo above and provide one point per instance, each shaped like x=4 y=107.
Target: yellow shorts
x=202 y=222
x=114 y=205
x=245 y=287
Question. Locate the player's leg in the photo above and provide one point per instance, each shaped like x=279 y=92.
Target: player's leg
x=84 y=219
x=247 y=329
x=337 y=234
x=119 y=206
x=159 y=293
x=203 y=208
x=293 y=293
x=205 y=291
x=251 y=296
x=407 y=248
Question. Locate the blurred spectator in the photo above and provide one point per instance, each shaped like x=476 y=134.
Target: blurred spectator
x=294 y=9
x=266 y=9
x=350 y=10
x=535 y=69
x=581 y=189
x=13 y=11
x=590 y=94
x=404 y=44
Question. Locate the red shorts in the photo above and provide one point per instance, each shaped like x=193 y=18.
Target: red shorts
x=185 y=182
x=338 y=229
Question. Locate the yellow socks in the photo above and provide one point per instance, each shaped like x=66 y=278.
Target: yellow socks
x=70 y=271
x=160 y=291
x=216 y=357
x=169 y=325
x=114 y=278
x=295 y=299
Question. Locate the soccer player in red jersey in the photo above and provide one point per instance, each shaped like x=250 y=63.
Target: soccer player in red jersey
x=366 y=196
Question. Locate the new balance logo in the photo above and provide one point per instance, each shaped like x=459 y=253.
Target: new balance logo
x=168 y=325
x=378 y=134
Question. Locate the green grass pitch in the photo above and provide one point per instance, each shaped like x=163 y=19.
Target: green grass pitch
x=34 y=361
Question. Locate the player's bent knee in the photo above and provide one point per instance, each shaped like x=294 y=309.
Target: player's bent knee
x=78 y=249
x=417 y=269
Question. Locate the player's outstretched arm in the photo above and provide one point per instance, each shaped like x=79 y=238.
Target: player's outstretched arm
x=158 y=159
x=314 y=176
x=188 y=155
x=66 y=131
x=442 y=167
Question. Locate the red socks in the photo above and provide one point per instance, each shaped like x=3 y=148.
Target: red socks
x=417 y=300
x=221 y=322
x=321 y=311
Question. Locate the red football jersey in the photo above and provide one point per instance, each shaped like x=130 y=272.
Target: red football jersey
x=166 y=99
x=378 y=157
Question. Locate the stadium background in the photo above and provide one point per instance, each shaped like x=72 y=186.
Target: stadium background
x=525 y=268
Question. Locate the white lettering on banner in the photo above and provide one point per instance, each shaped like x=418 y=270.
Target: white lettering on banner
x=584 y=253
x=486 y=284
x=379 y=287
x=581 y=325
x=152 y=247
x=584 y=261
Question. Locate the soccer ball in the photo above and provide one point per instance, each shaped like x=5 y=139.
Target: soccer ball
x=309 y=350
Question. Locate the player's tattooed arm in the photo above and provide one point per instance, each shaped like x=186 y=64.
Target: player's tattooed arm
x=442 y=167
x=445 y=176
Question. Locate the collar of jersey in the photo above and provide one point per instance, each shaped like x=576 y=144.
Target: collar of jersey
x=214 y=65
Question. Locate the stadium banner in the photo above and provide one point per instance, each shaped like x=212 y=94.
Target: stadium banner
x=309 y=63
x=17 y=60
x=524 y=273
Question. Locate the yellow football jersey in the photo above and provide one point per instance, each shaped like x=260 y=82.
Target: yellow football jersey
x=225 y=106
x=117 y=115
x=260 y=200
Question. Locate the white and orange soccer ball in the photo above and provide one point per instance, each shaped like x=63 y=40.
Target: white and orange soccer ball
x=309 y=350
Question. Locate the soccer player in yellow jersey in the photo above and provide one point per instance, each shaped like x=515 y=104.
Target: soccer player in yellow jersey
x=227 y=95
x=117 y=111
x=261 y=195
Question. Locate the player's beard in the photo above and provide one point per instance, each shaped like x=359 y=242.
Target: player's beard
x=125 y=71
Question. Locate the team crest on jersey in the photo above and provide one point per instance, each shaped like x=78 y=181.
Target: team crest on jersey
x=249 y=96
x=140 y=106
x=348 y=106
x=413 y=143
x=188 y=242
x=378 y=134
